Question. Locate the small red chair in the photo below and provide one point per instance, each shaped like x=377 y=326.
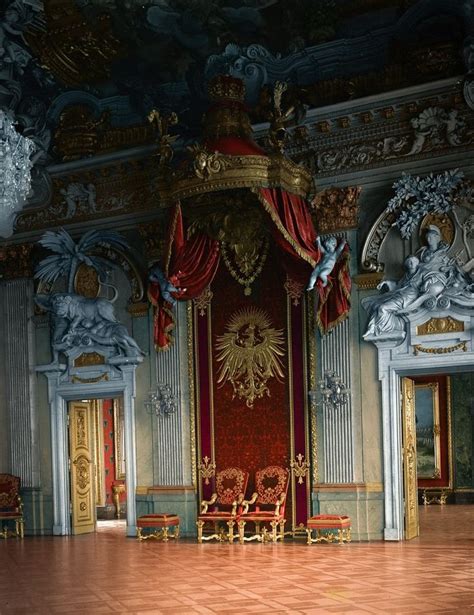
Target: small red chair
x=269 y=502
x=231 y=484
x=11 y=506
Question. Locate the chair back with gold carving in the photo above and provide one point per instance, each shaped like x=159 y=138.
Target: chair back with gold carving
x=271 y=483
x=231 y=484
x=9 y=493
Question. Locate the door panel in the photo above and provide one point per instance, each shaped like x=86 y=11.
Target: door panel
x=83 y=519
x=410 y=481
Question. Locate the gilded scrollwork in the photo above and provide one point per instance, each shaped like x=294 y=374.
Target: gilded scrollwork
x=299 y=467
x=207 y=469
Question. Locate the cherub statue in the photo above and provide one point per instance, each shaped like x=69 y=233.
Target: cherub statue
x=167 y=287
x=330 y=252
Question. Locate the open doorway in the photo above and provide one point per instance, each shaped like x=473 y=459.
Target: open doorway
x=96 y=463
x=438 y=445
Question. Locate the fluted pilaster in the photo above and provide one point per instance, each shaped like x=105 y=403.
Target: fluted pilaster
x=171 y=432
x=337 y=423
x=20 y=380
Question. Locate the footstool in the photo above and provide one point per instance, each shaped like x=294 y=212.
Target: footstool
x=159 y=525
x=329 y=528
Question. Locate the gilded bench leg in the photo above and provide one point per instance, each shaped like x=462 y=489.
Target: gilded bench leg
x=139 y=533
x=176 y=532
x=273 y=525
x=165 y=534
x=308 y=533
x=230 y=525
x=200 y=525
x=241 y=532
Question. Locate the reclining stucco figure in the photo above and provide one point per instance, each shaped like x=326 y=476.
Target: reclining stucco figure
x=430 y=275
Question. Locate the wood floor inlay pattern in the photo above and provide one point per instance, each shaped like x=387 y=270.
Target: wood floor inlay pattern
x=106 y=572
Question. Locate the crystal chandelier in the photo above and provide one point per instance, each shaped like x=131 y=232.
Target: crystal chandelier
x=15 y=172
x=161 y=401
x=332 y=390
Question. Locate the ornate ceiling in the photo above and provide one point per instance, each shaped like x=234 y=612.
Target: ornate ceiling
x=81 y=76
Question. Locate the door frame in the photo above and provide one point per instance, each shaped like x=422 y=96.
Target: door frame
x=392 y=369
x=60 y=393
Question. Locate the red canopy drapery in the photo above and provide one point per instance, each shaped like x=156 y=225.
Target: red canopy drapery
x=190 y=265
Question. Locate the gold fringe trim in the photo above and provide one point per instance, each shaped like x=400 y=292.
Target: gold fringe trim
x=271 y=212
x=171 y=238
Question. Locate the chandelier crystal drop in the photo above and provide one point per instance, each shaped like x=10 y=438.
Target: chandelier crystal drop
x=15 y=172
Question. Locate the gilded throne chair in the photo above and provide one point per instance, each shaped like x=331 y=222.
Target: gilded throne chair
x=224 y=507
x=267 y=514
x=11 y=506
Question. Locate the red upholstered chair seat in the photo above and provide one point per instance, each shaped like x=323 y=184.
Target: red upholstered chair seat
x=13 y=514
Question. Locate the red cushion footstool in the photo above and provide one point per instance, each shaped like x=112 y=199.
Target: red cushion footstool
x=335 y=528
x=158 y=525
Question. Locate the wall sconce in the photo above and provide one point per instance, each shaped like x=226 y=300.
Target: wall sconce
x=332 y=391
x=161 y=401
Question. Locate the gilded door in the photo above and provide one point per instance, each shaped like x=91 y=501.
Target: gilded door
x=410 y=481
x=83 y=515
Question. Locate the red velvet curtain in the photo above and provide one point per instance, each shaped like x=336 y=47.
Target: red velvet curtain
x=190 y=265
x=294 y=232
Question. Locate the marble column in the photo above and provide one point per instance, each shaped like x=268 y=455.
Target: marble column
x=20 y=379
x=337 y=423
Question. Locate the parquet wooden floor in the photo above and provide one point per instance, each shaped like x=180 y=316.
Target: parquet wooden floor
x=106 y=572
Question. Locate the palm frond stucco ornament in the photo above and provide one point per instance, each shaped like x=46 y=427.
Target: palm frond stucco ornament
x=250 y=354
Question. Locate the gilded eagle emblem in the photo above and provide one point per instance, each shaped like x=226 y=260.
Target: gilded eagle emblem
x=250 y=354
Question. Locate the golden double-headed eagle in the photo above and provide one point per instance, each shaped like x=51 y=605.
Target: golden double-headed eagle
x=249 y=353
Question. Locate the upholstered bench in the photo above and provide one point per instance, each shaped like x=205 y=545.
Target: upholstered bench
x=329 y=528
x=158 y=526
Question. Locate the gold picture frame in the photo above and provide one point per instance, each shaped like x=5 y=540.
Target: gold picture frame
x=428 y=431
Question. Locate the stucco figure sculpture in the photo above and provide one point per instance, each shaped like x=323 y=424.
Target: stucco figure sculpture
x=330 y=252
x=432 y=280
x=157 y=276
x=79 y=321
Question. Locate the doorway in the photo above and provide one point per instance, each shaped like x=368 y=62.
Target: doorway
x=96 y=463
x=438 y=444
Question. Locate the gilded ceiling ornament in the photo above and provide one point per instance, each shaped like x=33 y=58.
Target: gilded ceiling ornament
x=250 y=354
x=207 y=163
x=162 y=126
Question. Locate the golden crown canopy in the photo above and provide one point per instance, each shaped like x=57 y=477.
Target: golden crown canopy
x=227 y=158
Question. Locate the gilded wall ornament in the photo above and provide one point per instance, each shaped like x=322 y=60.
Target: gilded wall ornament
x=203 y=302
x=207 y=469
x=250 y=354
x=336 y=209
x=294 y=290
x=433 y=326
